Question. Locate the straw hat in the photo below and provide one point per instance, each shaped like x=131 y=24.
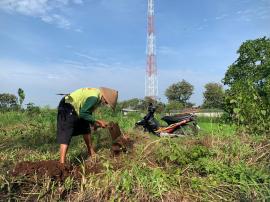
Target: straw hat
x=110 y=96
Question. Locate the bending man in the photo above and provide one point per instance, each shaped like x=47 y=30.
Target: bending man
x=75 y=116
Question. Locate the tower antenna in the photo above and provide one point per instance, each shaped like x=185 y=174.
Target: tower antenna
x=151 y=86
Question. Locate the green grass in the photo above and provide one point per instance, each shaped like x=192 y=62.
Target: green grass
x=215 y=126
x=217 y=165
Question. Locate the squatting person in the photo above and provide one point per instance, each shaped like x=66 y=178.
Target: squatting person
x=75 y=116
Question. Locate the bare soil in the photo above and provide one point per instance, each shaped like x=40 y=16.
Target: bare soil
x=122 y=144
x=51 y=168
x=59 y=172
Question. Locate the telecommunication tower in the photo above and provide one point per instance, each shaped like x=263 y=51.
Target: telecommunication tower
x=151 y=86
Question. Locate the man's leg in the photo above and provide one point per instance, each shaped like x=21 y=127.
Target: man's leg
x=88 y=142
x=63 y=152
x=65 y=127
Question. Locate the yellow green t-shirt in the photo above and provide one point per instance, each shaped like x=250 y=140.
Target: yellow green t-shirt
x=85 y=101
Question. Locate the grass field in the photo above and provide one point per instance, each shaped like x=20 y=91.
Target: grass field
x=217 y=165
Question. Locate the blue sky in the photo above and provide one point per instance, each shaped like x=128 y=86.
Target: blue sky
x=56 y=46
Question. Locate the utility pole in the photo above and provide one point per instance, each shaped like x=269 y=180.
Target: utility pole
x=151 y=82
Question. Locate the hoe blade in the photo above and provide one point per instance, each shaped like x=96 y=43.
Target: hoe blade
x=114 y=130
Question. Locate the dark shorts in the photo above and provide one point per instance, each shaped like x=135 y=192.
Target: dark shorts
x=69 y=124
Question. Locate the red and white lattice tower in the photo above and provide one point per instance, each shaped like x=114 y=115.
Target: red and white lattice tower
x=151 y=86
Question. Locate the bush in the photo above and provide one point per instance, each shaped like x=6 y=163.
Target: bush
x=32 y=109
x=174 y=105
x=248 y=98
x=179 y=156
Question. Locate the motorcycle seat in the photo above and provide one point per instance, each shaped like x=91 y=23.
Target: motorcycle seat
x=174 y=119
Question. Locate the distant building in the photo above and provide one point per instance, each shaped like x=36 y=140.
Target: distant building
x=125 y=111
x=184 y=111
x=198 y=112
x=209 y=114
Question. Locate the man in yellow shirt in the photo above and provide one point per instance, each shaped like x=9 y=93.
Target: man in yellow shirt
x=75 y=115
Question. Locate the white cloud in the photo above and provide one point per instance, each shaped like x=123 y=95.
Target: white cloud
x=239 y=12
x=48 y=11
x=26 y=7
x=78 y=30
x=86 y=56
x=78 y=1
x=261 y=12
x=221 y=17
x=166 y=50
x=42 y=82
x=59 y=20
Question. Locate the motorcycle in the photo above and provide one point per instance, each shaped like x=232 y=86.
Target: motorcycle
x=177 y=125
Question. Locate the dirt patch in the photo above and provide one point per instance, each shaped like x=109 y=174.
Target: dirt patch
x=92 y=167
x=122 y=144
x=51 y=168
x=59 y=172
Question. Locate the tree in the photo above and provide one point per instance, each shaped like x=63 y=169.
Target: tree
x=141 y=104
x=134 y=103
x=174 y=105
x=21 y=96
x=32 y=109
x=8 y=101
x=248 y=78
x=213 y=96
x=180 y=92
